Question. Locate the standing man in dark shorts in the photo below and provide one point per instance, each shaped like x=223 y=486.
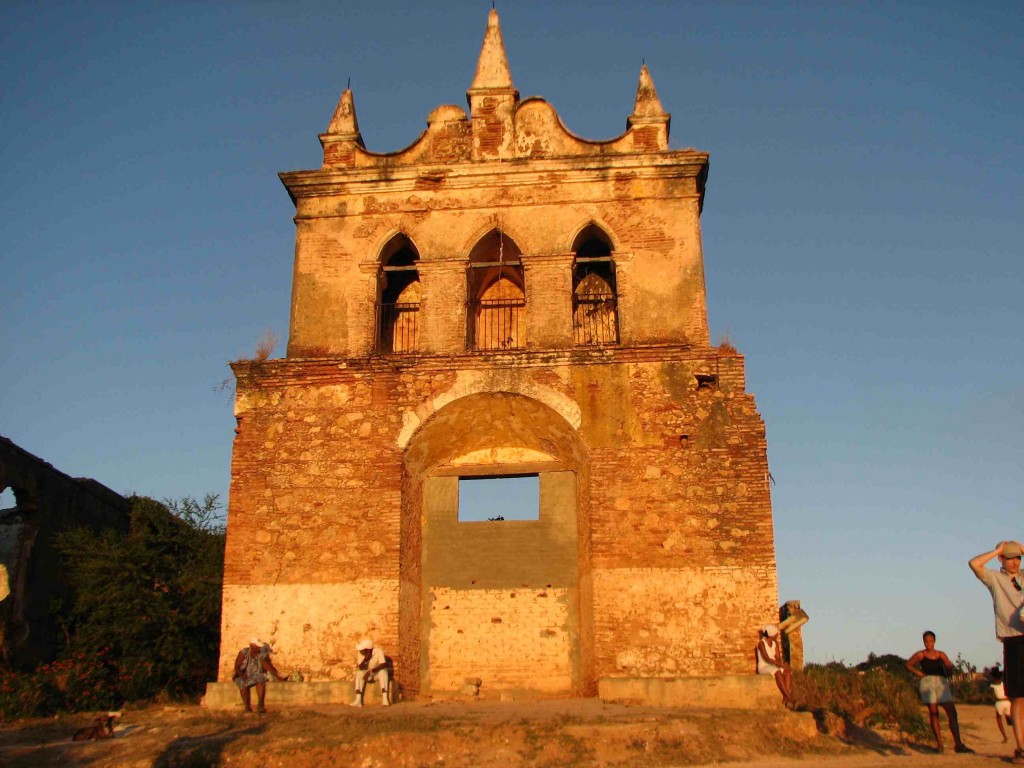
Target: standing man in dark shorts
x=1007 y=588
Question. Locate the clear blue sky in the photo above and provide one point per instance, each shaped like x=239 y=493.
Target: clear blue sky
x=862 y=230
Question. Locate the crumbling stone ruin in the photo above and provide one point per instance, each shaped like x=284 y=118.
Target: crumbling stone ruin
x=502 y=298
x=46 y=501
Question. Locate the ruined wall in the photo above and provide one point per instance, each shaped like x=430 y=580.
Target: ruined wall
x=322 y=549
x=48 y=502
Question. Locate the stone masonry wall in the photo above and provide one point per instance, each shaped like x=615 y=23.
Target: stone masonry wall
x=510 y=639
x=674 y=517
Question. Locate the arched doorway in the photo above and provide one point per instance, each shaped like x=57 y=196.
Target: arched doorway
x=506 y=601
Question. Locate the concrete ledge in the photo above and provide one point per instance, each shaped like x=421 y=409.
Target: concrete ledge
x=727 y=692
x=225 y=695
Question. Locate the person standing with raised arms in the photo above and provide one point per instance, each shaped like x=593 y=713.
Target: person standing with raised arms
x=1007 y=588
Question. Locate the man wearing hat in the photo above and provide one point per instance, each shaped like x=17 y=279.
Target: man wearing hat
x=1007 y=588
x=370 y=664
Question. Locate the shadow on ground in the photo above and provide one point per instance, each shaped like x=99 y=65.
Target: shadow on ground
x=202 y=751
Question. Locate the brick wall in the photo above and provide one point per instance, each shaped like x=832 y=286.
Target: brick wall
x=670 y=571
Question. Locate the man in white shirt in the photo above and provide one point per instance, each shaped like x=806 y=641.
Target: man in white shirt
x=1007 y=588
x=371 y=664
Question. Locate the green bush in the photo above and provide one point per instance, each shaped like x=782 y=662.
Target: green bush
x=152 y=596
x=144 y=619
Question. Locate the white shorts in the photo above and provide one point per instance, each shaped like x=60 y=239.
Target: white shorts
x=764 y=668
x=934 y=689
x=1003 y=708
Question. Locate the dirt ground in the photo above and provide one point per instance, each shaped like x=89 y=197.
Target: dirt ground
x=578 y=732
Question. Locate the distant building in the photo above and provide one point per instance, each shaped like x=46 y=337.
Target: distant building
x=502 y=298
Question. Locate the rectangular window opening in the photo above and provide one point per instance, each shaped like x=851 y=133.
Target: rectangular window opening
x=499 y=498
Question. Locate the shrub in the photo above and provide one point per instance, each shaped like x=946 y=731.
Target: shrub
x=75 y=682
x=877 y=697
x=972 y=691
x=152 y=596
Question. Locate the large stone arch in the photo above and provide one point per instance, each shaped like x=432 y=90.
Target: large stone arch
x=473 y=383
x=496 y=600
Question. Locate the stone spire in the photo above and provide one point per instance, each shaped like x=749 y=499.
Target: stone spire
x=647 y=103
x=492 y=66
x=649 y=117
x=492 y=97
x=342 y=135
x=344 y=122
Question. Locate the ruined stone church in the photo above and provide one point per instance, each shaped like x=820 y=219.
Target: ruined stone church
x=501 y=298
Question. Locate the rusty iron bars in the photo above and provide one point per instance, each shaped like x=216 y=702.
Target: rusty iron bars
x=498 y=324
x=595 y=319
x=398 y=327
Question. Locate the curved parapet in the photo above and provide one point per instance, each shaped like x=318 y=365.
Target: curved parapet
x=537 y=131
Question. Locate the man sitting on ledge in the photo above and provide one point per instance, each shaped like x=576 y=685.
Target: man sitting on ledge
x=371 y=663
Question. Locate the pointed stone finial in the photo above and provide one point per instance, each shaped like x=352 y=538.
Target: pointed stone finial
x=649 y=121
x=492 y=67
x=492 y=97
x=344 y=122
x=342 y=137
x=647 y=103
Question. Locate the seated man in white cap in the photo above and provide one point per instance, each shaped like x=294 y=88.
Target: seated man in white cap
x=371 y=663
x=769 y=662
x=251 y=668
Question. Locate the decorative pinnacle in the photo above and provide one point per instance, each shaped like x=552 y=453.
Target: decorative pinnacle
x=344 y=121
x=647 y=103
x=492 y=67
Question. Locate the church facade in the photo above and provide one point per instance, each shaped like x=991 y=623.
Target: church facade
x=501 y=299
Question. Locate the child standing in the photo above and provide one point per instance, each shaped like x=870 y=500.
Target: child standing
x=1002 y=703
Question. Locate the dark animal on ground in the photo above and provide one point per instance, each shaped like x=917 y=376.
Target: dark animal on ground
x=104 y=729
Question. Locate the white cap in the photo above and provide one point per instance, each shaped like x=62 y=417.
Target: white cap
x=771 y=630
x=366 y=644
x=256 y=641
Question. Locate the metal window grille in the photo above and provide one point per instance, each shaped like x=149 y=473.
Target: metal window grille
x=498 y=324
x=595 y=319
x=398 y=327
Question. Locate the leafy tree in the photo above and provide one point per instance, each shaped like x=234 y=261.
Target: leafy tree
x=962 y=666
x=890 y=662
x=151 y=596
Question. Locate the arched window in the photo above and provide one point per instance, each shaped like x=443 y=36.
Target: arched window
x=398 y=303
x=595 y=314
x=497 y=295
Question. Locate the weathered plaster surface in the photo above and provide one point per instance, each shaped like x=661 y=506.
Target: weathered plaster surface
x=661 y=622
x=313 y=628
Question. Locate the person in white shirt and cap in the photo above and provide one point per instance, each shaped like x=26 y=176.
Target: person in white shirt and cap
x=769 y=662
x=1006 y=586
x=371 y=664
